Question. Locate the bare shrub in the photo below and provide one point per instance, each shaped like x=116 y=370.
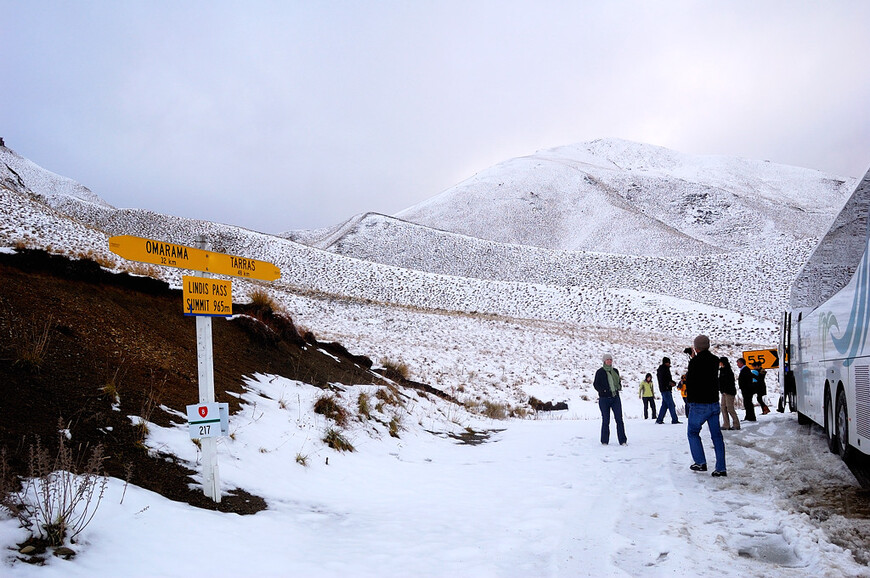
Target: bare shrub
x=328 y=406
x=61 y=496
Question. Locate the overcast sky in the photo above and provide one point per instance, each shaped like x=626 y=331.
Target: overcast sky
x=298 y=115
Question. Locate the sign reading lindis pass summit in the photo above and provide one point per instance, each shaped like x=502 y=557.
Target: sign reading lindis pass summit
x=181 y=256
x=202 y=296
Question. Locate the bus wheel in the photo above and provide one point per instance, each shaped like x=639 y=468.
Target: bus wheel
x=842 y=416
x=829 y=424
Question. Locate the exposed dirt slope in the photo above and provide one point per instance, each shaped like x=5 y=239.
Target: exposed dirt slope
x=106 y=328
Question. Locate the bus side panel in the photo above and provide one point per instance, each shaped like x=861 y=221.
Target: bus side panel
x=809 y=373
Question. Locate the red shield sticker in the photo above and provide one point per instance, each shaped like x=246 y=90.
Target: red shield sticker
x=203 y=410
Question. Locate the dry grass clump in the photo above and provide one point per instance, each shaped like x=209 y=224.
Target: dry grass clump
x=329 y=406
x=364 y=410
x=262 y=300
x=395 y=369
x=395 y=425
x=336 y=440
x=30 y=338
x=387 y=396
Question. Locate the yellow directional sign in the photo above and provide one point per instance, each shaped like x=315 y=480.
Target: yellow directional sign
x=174 y=255
x=769 y=358
x=205 y=296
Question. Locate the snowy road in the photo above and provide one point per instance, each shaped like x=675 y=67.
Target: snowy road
x=540 y=498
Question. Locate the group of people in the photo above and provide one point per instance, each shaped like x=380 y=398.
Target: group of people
x=706 y=378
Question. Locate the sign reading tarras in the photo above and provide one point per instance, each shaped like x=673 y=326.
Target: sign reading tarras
x=769 y=358
x=184 y=257
x=205 y=296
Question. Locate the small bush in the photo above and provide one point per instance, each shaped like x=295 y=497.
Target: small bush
x=60 y=497
x=328 y=406
x=336 y=440
x=302 y=460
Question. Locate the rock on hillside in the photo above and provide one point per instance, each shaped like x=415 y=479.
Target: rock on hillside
x=621 y=197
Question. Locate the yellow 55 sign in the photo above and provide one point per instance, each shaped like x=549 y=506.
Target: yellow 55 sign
x=769 y=358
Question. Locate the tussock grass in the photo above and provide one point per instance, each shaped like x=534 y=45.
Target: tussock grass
x=329 y=406
x=262 y=300
x=364 y=409
x=30 y=339
x=336 y=440
x=394 y=369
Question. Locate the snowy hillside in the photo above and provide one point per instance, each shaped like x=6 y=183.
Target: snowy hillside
x=616 y=196
x=760 y=287
x=405 y=290
x=20 y=174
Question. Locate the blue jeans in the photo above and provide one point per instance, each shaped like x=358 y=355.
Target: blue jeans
x=606 y=405
x=668 y=405
x=699 y=414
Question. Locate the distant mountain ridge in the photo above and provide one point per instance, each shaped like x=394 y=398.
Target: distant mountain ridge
x=616 y=196
x=381 y=259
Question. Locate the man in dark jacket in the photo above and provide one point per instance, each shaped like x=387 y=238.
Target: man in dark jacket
x=702 y=395
x=744 y=382
x=666 y=385
x=607 y=383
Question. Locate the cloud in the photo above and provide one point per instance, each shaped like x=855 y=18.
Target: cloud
x=299 y=115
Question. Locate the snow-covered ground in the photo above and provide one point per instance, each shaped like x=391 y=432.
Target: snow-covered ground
x=540 y=497
x=495 y=323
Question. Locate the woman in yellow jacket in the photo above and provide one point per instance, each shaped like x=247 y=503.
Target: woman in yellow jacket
x=647 y=394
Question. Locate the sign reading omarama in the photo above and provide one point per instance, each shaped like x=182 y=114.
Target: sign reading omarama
x=184 y=257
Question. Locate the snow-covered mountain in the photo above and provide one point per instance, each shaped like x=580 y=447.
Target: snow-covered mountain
x=617 y=196
x=376 y=281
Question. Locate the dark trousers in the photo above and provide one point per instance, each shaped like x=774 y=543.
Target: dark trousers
x=747 y=404
x=649 y=402
x=606 y=405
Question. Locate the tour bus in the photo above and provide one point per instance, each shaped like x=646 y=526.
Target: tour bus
x=824 y=345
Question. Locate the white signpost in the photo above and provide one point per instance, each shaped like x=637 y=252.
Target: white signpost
x=203 y=300
x=211 y=480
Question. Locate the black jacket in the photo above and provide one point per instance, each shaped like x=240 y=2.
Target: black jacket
x=744 y=380
x=702 y=378
x=663 y=375
x=602 y=384
x=726 y=381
